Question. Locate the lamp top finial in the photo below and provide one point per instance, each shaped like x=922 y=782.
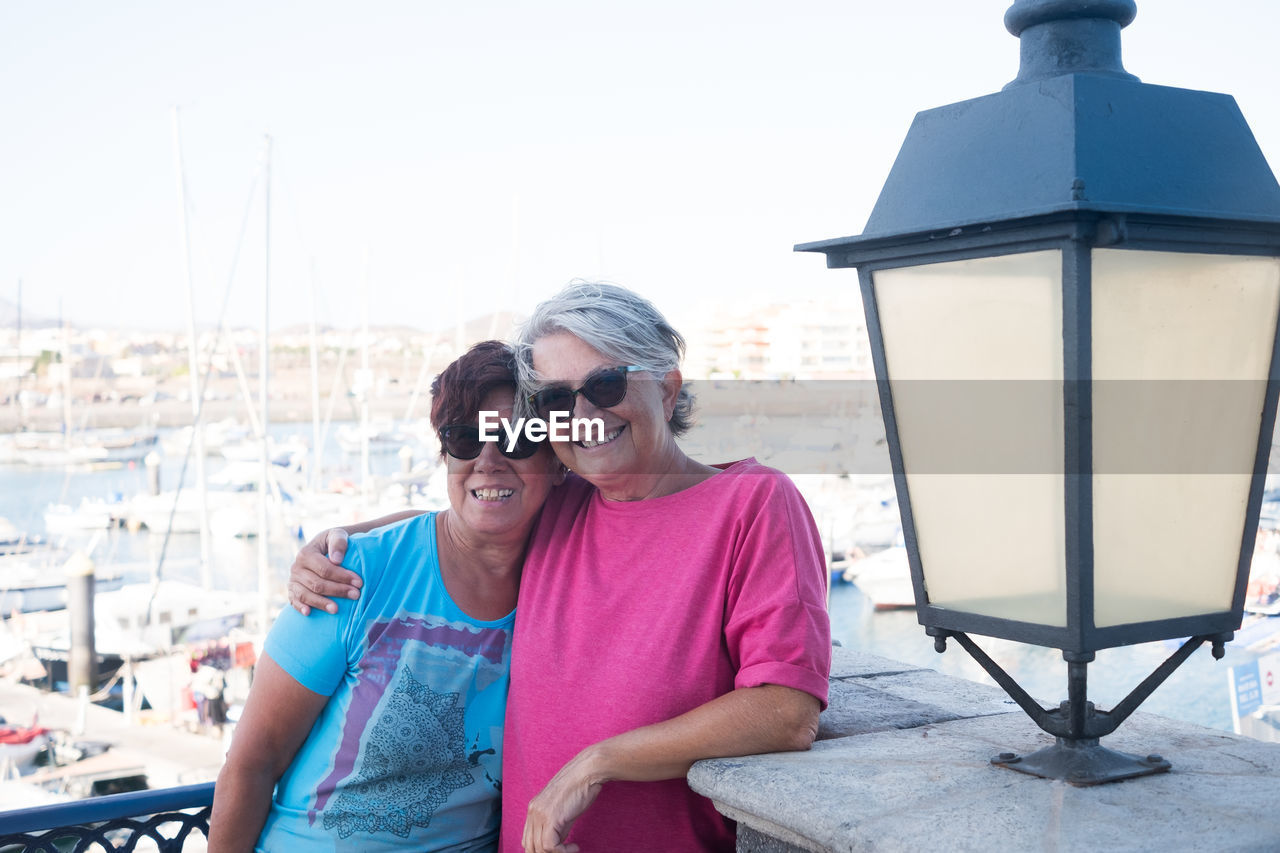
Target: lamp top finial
x=1028 y=13
x=1069 y=36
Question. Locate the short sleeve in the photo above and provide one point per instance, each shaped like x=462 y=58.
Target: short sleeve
x=313 y=649
x=776 y=626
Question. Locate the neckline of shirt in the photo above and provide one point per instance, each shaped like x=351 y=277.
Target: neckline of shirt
x=725 y=468
x=437 y=571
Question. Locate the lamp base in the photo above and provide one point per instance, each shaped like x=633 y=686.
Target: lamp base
x=1082 y=762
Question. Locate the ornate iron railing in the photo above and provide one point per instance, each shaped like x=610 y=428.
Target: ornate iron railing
x=113 y=823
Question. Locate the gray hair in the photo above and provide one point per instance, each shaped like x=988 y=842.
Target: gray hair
x=620 y=324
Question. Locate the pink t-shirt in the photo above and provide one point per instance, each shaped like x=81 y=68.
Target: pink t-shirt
x=632 y=613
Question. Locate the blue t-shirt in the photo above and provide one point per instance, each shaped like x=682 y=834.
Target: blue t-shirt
x=407 y=754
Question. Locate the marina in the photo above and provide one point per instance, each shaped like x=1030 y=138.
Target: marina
x=168 y=622
x=160 y=633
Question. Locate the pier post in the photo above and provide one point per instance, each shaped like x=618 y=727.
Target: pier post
x=82 y=661
x=152 y=461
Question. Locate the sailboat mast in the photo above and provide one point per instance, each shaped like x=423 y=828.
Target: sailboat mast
x=65 y=357
x=22 y=374
x=366 y=385
x=263 y=375
x=316 y=443
x=193 y=363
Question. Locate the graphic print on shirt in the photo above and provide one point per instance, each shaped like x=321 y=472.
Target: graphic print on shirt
x=413 y=760
x=404 y=748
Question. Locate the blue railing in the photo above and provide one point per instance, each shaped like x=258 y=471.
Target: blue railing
x=113 y=823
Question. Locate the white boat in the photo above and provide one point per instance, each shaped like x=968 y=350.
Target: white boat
x=79 y=769
x=90 y=514
x=18 y=794
x=308 y=513
x=36 y=448
x=19 y=447
x=139 y=621
x=885 y=578
x=36 y=580
x=92 y=447
x=19 y=746
x=166 y=511
x=242 y=520
x=141 y=617
x=382 y=438
x=16 y=541
x=286 y=453
x=216 y=434
x=112 y=445
x=232 y=493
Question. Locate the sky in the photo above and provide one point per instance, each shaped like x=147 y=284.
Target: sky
x=434 y=161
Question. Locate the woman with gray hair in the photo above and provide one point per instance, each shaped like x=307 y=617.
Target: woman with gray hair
x=669 y=610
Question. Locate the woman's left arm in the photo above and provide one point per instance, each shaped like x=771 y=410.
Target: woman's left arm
x=277 y=717
x=746 y=721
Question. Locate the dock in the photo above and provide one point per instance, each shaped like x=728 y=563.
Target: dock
x=168 y=754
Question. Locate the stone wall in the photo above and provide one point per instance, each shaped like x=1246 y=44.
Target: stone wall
x=903 y=764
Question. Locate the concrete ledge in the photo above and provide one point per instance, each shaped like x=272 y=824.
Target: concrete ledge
x=910 y=770
x=873 y=694
x=847 y=663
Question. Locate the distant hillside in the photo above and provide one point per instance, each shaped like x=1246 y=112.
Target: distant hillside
x=497 y=324
x=298 y=329
x=9 y=317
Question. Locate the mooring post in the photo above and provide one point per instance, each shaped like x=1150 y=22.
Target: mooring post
x=82 y=662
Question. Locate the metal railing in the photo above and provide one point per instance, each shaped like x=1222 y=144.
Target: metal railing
x=113 y=823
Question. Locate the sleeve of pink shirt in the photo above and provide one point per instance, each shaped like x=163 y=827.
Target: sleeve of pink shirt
x=776 y=623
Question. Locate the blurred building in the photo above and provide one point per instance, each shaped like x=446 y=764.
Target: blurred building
x=808 y=339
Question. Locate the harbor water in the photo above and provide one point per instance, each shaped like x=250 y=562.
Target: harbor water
x=26 y=492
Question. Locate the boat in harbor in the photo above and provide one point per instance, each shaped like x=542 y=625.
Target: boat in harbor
x=285 y=453
x=140 y=618
x=14 y=540
x=28 y=587
x=62 y=519
x=885 y=578
x=136 y=622
x=381 y=437
x=33 y=575
x=33 y=447
x=19 y=746
x=232 y=492
x=213 y=437
x=74 y=449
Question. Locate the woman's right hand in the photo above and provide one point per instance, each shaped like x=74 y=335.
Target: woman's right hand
x=317 y=576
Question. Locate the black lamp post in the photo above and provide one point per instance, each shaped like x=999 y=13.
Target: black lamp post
x=1071 y=289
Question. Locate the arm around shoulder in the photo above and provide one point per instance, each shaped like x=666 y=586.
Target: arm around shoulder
x=317 y=578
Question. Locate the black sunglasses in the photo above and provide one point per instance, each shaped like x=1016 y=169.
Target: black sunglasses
x=462 y=441
x=603 y=389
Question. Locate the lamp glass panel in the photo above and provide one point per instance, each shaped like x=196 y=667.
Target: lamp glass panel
x=1182 y=346
x=974 y=356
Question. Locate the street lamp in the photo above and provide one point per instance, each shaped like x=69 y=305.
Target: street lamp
x=1071 y=289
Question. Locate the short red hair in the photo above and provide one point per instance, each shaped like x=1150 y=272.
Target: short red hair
x=456 y=394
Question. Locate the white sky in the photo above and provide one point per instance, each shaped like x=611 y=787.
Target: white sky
x=485 y=152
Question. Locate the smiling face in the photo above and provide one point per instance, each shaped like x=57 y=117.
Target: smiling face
x=638 y=447
x=496 y=496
